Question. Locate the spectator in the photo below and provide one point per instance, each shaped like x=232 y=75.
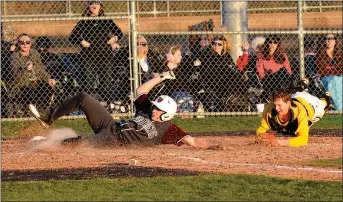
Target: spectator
x=330 y=57
x=314 y=86
x=97 y=38
x=330 y=67
x=273 y=66
x=193 y=62
x=8 y=46
x=173 y=59
x=32 y=83
x=221 y=77
x=247 y=62
x=149 y=61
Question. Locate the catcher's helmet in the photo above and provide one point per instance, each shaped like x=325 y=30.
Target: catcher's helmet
x=166 y=104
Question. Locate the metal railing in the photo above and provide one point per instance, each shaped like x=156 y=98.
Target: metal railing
x=155 y=11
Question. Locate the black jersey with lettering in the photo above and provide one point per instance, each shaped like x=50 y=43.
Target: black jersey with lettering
x=141 y=130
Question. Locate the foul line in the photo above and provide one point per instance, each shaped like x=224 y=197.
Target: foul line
x=256 y=165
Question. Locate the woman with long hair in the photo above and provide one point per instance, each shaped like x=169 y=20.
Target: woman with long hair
x=96 y=37
x=329 y=64
x=329 y=59
x=273 y=66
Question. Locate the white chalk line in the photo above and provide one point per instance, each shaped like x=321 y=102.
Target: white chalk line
x=257 y=165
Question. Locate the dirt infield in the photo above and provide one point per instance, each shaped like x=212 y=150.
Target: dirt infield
x=22 y=161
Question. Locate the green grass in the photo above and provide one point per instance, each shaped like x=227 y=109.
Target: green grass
x=335 y=163
x=191 y=188
x=208 y=124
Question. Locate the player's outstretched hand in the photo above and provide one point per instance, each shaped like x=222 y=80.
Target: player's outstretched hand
x=267 y=139
x=218 y=147
x=167 y=75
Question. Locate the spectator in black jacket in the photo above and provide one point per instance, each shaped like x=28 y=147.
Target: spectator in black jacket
x=220 y=75
x=97 y=37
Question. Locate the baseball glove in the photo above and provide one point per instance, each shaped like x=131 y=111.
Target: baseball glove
x=267 y=139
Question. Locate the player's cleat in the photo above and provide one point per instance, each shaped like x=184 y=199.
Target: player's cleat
x=328 y=98
x=72 y=141
x=300 y=86
x=42 y=117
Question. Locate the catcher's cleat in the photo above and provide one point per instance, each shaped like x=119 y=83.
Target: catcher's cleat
x=42 y=117
x=300 y=86
x=328 y=98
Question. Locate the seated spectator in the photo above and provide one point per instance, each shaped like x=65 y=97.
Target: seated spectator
x=314 y=86
x=329 y=57
x=330 y=68
x=8 y=46
x=148 y=60
x=193 y=61
x=221 y=77
x=247 y=62
x=32 y=83
x=172 y=60
x=273 y=66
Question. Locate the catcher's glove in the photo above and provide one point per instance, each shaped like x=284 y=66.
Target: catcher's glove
x=267 y=139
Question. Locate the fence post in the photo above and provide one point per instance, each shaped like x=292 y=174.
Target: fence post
x=133 y=45
x=301 y=39
x=235 y=17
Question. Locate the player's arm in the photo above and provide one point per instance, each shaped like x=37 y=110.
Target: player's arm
x=200 y=143
x=157 y=78
x=264 y=126
x=177 y=136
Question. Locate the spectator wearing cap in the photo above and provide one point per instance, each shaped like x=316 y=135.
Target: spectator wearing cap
x=32 y=83
x=96 y=37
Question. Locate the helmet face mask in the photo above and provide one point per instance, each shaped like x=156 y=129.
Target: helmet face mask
x=167 y=105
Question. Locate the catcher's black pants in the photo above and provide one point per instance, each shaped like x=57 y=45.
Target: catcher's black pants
x=98 y=117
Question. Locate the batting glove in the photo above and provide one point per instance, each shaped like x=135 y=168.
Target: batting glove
x=167 y=75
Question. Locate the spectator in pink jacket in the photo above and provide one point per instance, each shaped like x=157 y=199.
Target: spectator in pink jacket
x=272 y=58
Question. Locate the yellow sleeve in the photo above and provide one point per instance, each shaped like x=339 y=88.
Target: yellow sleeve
x=264 y=126
x=301 y=132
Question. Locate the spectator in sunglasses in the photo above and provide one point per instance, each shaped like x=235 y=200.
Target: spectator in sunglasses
x=273 y=66
x=96 y=37
x=221 y=77
x=149 y=61
x=329 y=57
x=32 y=83
x=329 y=64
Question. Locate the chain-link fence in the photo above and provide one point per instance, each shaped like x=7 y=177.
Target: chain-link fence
x=52 y=50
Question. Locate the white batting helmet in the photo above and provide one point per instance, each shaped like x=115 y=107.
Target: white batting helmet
x=166 y=104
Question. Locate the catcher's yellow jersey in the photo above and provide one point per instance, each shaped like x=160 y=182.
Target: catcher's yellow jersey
x=297 y=126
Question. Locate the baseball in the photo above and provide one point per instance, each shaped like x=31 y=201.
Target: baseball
x=133 y=162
